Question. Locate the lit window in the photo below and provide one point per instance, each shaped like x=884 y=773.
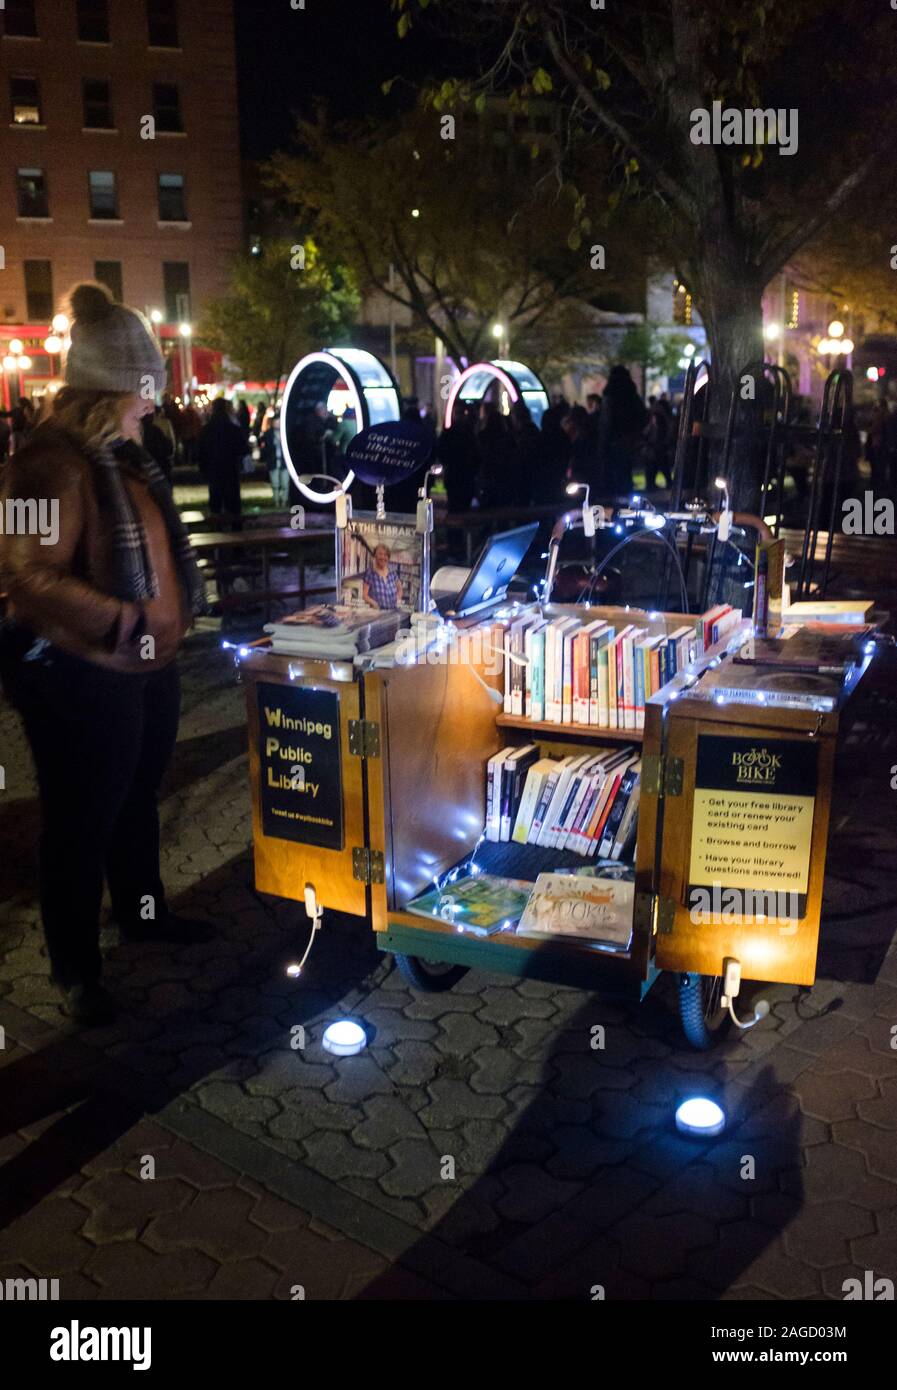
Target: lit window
x=24 y=93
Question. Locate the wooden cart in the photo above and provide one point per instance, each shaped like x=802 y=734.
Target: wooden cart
x=391 y=793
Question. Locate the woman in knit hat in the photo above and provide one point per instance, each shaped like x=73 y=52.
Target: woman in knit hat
x=99 y=597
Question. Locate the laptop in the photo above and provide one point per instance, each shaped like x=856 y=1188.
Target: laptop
x=487 y=583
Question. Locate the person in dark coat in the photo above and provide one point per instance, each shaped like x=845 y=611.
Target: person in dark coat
x=495 y=453
x=583 y=464
x=554 y=456
x=221 y=448
x=157 y=444
x=622 y=422
x=526 y=444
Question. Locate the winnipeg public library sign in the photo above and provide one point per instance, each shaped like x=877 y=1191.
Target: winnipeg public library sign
x=753 y=126
x=29 y=516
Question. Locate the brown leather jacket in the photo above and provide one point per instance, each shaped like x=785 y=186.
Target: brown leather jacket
x=64 y=591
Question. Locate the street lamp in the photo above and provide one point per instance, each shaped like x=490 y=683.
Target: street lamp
x=53 y=345
x=156 y=315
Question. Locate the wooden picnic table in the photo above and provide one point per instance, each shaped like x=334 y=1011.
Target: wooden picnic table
x=263 y=542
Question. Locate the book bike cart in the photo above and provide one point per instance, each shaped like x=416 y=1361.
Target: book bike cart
x=391 y=800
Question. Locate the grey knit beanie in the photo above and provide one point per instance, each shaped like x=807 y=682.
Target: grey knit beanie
x=113 y=348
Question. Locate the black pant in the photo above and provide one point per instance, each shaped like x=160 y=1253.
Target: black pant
x=101 y=742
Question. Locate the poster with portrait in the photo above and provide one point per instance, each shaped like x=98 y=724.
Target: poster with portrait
x=381 y=562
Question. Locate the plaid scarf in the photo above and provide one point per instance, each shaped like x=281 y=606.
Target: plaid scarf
x=135 y=576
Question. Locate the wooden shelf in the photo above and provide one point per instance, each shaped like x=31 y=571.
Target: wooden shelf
x=588 y=731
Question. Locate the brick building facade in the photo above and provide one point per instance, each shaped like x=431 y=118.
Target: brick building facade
x=119 y=158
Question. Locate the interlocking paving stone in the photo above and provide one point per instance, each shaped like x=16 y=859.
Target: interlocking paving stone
x=122 y=1205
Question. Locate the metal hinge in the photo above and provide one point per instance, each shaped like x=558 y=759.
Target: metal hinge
x=368 y=865
x=364 y=738
x=662 y=775
x=654 y=913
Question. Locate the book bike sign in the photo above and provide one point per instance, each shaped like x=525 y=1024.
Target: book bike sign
x=752 y=826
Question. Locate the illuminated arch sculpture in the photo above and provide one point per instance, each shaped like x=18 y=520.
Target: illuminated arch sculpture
x=371 y=389
x=519 y=380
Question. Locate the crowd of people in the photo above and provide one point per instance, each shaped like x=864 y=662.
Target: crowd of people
x=497 y=459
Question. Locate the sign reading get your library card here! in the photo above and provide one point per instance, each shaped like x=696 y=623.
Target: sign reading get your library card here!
x=752 y=825
x=300 y=775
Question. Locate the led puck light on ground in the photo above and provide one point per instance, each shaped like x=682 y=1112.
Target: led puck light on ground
x=344 y=1038
x=700 y=1117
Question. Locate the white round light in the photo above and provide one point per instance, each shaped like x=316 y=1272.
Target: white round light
x=836 y=329
x=60 y=323
x=25 y=364
x=701 y=1117
x=344 y=1038
x=16 y=345
x=773 y=330
x=156 y=315
x=53 y=344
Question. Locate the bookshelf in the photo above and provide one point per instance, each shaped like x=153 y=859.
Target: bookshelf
x=591 y=732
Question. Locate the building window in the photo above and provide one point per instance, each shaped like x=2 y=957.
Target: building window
x=32 y=190
x=93 y=21
x=167 y=106
x=39 y=291
x=103 y=200
x=98 y=104
x=172 y=205
x=24 y=93
x=109 y=274
x=19 y=19
x=162 y=20
x=176 y=276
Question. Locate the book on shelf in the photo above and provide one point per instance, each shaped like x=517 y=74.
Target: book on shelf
x=479 y=903
x=334 y=630
x=584 y=803
x=597 y=674
x=829 y=610
x=788 y=689
x=595 y=909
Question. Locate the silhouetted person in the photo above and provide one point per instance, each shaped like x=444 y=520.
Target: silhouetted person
x=623 y=418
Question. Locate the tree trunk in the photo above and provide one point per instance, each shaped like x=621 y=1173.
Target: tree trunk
x=729 y=300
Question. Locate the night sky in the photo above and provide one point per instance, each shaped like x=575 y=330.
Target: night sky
x=338 y=50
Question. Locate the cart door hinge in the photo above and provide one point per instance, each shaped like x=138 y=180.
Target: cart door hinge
x=364 y=738
x=654 y=914
x=662 y=775
x=368 y=865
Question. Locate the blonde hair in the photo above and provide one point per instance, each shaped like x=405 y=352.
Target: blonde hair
x=94 y=417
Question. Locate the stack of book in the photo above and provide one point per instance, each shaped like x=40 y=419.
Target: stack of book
x=334 y=630
x=586 y=803
x=568 y=672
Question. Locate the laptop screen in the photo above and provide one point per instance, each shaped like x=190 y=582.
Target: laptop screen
x=496 y=565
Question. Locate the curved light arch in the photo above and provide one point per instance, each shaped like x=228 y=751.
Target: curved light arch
x=519 y=380
x=373 y=395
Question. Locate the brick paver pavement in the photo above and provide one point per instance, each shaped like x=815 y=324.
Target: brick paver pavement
x=192 y=1151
